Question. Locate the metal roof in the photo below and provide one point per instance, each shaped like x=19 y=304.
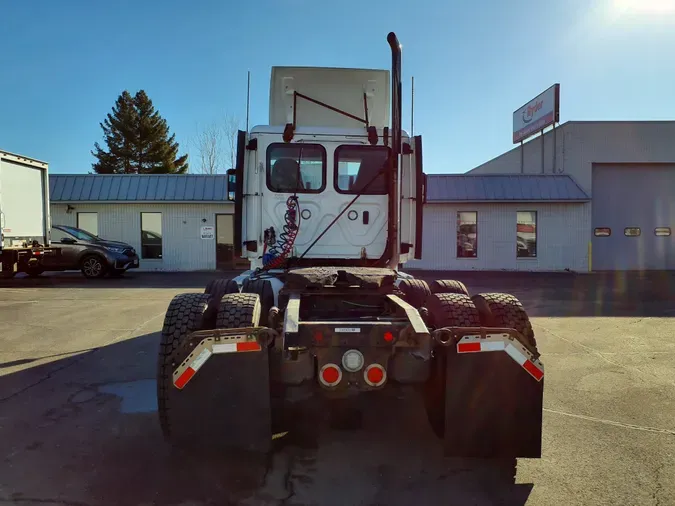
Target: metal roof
x=504 y=188
x=137 y=188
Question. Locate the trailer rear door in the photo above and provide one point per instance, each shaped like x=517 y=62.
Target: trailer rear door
x=22 y=194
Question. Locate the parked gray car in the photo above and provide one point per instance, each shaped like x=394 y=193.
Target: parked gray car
x=92 y=255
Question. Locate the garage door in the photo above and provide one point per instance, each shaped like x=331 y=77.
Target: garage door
x=633 y=217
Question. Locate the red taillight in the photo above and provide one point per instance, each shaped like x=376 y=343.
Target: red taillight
x=375 y=375
x=388 y=336
x=330 y=375
x=318 y=337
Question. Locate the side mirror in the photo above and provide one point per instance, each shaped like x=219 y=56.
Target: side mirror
x=68 y=240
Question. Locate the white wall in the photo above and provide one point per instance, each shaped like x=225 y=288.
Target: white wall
x=580 y=144
x=562 y=238
x=182 y=246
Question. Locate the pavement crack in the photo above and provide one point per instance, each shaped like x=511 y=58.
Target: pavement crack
x=76 y=360
x=594 y=352
x=70 y=362
x=623 y=425
x=288 y=482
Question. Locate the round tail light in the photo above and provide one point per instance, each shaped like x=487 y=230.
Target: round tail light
x=330 y=375
x=375 y=375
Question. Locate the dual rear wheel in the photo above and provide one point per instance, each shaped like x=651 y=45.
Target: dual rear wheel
x=459 y=310
x=218 y=403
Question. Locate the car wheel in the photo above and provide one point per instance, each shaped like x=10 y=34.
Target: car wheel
x=93 y=267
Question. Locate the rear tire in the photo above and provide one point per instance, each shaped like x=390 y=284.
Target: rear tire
x=448 y=286
x=223 y=286
x=416 y=291
x=217 y=288
x=505 y=310
x=452 y=310
x=184 y=315
x=262 y=287
x=93 y=267
x=239 y=310
x=446 y=310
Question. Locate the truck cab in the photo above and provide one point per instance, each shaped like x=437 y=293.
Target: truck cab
x=330 y=153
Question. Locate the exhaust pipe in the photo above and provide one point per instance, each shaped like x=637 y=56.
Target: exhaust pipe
x=396 y=106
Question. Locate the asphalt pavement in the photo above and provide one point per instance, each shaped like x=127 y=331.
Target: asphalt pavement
x=78 y=421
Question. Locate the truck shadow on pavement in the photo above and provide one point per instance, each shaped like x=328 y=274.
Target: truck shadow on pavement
x=83 y=430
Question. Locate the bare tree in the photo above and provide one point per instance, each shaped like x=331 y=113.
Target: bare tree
x=216 y=145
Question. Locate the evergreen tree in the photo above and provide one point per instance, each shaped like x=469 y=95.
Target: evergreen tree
x=138 y=140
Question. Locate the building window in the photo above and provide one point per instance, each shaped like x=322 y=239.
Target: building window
x=467 y=234
x=296 y=168
x=662 y=231
x=603 y=232
x=358 y=167
x=526 y=234
x=631 y=231
x=231 y=184
x=151 y=235
x=88 y=222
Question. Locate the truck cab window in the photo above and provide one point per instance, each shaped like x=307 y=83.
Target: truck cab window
x=296 y=168
x=357 y=166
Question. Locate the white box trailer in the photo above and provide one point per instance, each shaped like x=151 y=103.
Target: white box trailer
x=24 y=214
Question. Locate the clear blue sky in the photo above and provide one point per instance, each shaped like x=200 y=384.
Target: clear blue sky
x=63 y=63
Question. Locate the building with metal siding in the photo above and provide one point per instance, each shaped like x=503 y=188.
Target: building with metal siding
x=581 y=179
x=561 y=211
x=496 y=242
x=183 y=207
x=628 y=169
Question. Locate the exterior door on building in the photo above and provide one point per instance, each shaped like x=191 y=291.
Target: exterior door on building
x=633 y=217
x=225 y=242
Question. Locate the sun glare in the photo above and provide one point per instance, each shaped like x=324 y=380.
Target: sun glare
x=645 y=6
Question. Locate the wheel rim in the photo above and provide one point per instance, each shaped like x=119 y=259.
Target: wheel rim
x=92 y=267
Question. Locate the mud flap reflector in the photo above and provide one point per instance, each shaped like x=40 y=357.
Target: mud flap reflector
x=499 y=342
x=203 y=351
x=192 y=369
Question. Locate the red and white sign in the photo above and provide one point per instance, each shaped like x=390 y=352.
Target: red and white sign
x=537 y=114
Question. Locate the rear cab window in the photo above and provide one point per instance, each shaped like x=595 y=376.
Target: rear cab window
x=361 y=169
x=296 y=168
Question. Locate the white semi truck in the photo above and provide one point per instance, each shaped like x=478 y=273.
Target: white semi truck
x=328 y=205
x=24 y=215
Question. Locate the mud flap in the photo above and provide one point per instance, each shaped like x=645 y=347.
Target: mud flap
x=493 y=407
x=226 y=405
